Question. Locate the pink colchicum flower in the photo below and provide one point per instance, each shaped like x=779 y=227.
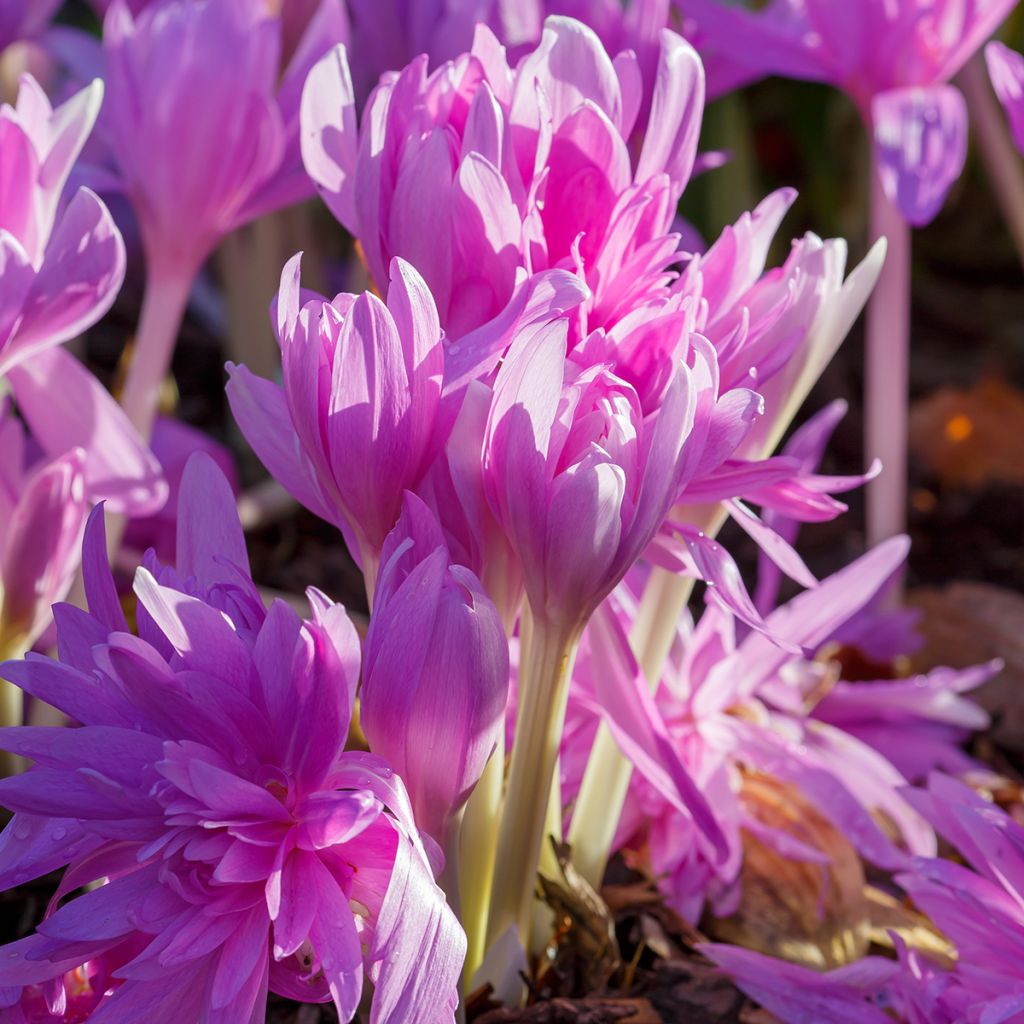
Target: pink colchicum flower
x=23 y=19
x=435 y=673
x=357 y=420
x=1006 y=69
x=61 y=268
x=579 y=478
x=195 y=84
x=894 y=60
x=477 y=172
x=726 y=704
x=42 y=513
x=244 y=849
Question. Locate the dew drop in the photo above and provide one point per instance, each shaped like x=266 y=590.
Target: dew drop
x=21 y=830
x=59 y=833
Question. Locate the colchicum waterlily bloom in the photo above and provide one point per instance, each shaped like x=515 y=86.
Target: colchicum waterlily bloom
x=733 y=707
x=476 y=172
x=243 y=849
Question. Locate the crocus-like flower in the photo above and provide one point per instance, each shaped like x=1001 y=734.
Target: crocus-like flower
x=42 y=512
x=577 y=475
x=475 y=170
x=435 y=676
x=22 y=19
x=356 y=422
x=193 y=86
x=735 y=705
x=1006 y=69
x=61 y=268
x=244 y=850
x=978 y=906
x=894 y=59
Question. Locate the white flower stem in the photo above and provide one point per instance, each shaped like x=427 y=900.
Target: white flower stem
x=479 y=847
x=548 y=653
x=163 y=309
x=887 y=371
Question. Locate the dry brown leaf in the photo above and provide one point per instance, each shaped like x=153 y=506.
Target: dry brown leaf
x=887 y=914
x=968 y=438
x=810 y=914
x=967 y=623
x=583 y=942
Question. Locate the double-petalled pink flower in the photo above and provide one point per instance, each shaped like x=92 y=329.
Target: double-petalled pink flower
x=243 y=849
x=476 y=172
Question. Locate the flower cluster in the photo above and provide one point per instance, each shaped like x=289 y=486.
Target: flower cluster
x=527 y=419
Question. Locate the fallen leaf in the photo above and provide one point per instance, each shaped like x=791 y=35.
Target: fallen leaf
x=887 y=914
x=809 y=913
x=583 y=946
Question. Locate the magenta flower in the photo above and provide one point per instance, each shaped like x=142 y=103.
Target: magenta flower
x=61 y=267
x=475 y=172
x=894 y=59
x=977 y=905
x=435 y=676
x=42 y=512
x=579 y=478
x=731 y=703
x=244 y=849
x=356 y=422
x=195 y=85
x=1006 y=69
x=22 y=19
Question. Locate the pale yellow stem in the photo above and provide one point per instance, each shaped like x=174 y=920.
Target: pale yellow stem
x=479 y=847
x=606 y=779
x=545 y=667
